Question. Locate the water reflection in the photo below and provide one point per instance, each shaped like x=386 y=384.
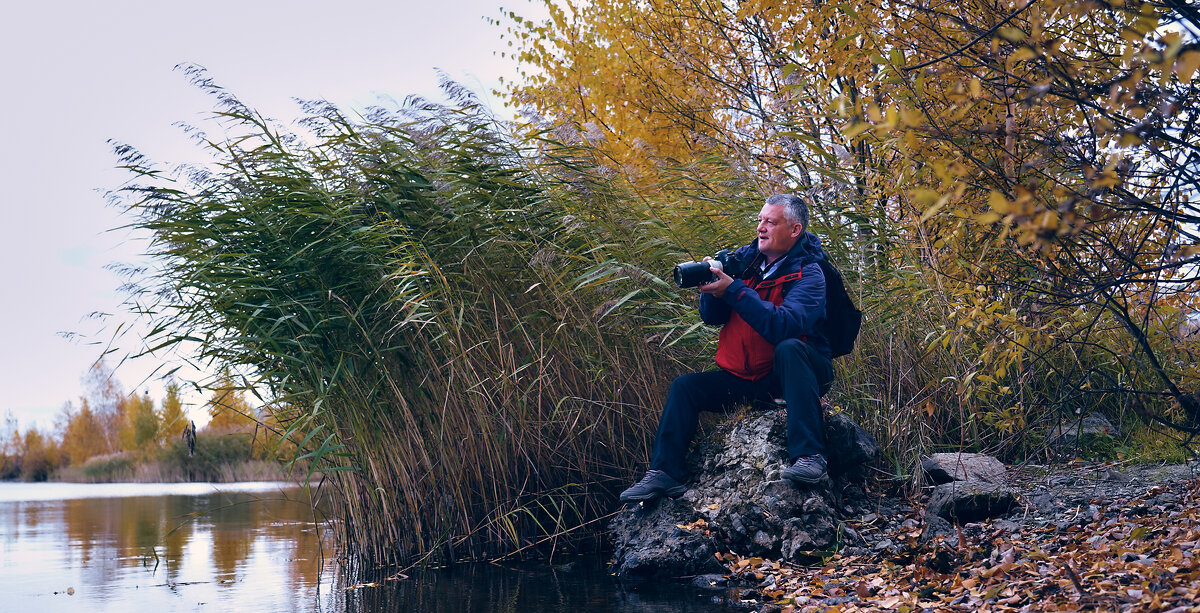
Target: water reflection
x=577 y=587
x=254 y=547
x=251 y=548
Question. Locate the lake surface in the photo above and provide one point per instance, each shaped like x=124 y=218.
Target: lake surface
x=254 y=547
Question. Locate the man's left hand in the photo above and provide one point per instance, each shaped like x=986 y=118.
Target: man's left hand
x=716 y=288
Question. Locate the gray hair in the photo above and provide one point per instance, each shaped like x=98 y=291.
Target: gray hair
x=795 y=209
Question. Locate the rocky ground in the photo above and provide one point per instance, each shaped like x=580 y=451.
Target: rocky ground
x=1064 y=537
x=1083 y=537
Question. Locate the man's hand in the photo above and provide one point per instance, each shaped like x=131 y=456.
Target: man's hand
x=716 y=288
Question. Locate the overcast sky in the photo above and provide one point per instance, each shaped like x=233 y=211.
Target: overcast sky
x=78 y=73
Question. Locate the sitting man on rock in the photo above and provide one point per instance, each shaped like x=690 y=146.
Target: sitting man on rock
x=771 y=345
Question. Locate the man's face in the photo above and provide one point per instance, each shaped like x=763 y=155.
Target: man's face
x=775 y=235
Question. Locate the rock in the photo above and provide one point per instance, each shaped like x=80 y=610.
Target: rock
x=1081 y=430
x=969 y=501
x=847 y=444
x=745 y=506
x=935 y=527
x=650 y=545
x=711 y=582
x=1045 y=503
x=947 y=467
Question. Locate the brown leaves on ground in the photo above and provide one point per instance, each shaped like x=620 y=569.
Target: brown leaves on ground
x=1136 y=554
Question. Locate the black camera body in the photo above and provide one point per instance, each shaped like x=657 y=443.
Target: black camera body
x=692 y=274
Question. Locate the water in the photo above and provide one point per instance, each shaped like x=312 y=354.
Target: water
x=254 y=547
x=162 y=547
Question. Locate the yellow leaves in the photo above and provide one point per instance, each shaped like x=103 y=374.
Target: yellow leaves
x=976 y=88
x=999 y=203
x=1011 y=34
x=1187 y=64
x=1022 y=54
x=1187 y=251
x=1106 y=179
x=855 y=128
x=987 y=219
x=910 y=117
x=874 y=114
x=1130 y=139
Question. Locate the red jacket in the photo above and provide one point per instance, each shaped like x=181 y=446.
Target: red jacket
x=759 y=314
x=740 y=349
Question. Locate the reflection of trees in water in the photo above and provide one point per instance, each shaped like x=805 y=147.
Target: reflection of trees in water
x=107 y=534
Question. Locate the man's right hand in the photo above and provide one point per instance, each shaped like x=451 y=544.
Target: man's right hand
x=717 y=287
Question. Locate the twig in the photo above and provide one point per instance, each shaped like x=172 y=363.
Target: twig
x=1075 y=579
x=552 y=536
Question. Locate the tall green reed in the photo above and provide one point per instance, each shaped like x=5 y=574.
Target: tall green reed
x=432 y=306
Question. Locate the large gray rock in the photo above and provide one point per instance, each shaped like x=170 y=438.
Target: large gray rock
x=947 y=467
x=737 y=491
x=650 y=544
x=970 y=501
x=1084 y=429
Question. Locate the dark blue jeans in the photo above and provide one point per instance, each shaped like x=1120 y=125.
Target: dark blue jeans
x=800 y=375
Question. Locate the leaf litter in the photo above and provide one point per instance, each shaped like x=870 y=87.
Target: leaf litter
x=1124 y=548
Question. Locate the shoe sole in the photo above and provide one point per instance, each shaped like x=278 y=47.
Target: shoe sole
x=674 y=492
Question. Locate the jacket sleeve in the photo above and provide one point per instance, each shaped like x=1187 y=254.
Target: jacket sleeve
x=803 y=306
x=713 y=311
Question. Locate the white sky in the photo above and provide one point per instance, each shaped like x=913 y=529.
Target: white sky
x=74 y=74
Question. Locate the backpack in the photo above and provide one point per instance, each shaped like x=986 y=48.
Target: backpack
x=842 y=318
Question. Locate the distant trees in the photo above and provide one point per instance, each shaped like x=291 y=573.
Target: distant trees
x=173 y=418
x=139 y=424
x=108 y=421
x=228 y=407
x=82 y=433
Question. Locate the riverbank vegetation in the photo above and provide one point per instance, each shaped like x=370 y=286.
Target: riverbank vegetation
x=464 y=324
x=114 y=436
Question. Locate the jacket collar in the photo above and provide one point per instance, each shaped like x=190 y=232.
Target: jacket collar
x=806 y=251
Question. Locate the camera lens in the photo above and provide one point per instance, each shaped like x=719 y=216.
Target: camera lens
x=691 y=274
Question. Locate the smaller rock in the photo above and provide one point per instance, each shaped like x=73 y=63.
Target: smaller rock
x=1075 y=430
x=1045 y=503
x=712 y=582
x=1006 y=525
x=847 y=444
x=947 y=467
x=969 y=501
x=935 y=527
x=850 y=535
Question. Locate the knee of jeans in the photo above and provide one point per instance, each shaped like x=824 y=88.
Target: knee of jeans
x=789 y=346
x=683 y=383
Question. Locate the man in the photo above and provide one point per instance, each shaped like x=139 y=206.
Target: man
x=771 y=345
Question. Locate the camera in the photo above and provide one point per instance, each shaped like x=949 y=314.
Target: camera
x=691 y=274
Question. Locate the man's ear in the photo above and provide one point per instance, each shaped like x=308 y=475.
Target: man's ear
x=797 y=230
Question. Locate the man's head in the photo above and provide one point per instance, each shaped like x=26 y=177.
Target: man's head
x=780 y=223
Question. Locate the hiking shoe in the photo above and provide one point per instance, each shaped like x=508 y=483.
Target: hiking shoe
x=807 y=470
x=656 y=483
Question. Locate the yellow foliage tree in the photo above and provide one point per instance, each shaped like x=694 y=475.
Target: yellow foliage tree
x=228 y=407
x=174 y=418
x=82 y=434
x=139 y=424
x=1034 y=163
